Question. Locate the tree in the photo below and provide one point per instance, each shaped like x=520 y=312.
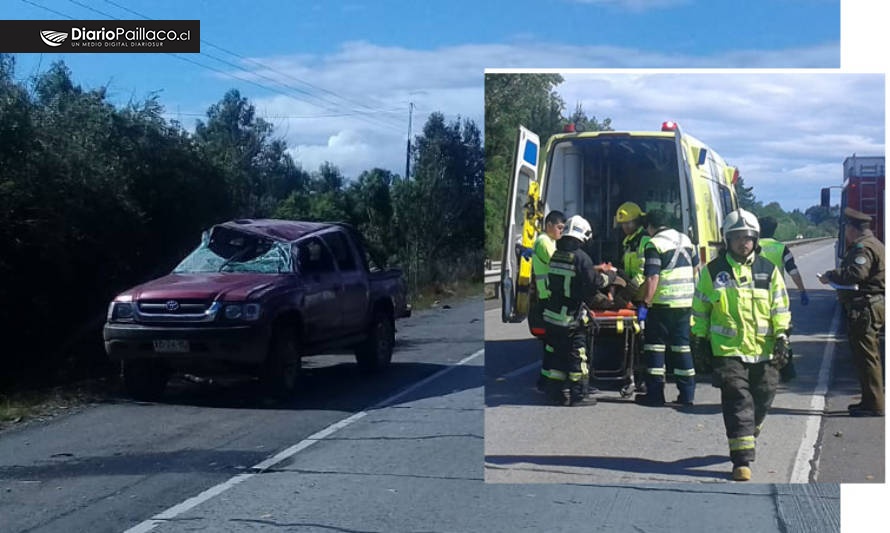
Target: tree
x=584 y=123
x=439 y=210
x=745 y=196
x=512 y=100
x=372 y=213
x=256 y=166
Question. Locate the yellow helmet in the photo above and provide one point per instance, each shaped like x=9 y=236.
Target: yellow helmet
x=627 y=212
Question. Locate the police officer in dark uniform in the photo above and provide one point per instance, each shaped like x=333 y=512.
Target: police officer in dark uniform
x=863 y=265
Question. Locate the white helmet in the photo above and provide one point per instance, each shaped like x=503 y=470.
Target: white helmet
x=577 y=227
x=741 y=222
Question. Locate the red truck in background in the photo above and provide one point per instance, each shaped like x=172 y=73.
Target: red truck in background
x=863 y=190
x=256 y=296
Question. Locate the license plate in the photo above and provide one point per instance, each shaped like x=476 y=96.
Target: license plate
x=171 y=346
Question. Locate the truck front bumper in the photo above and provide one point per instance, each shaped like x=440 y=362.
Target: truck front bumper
x=236 y=344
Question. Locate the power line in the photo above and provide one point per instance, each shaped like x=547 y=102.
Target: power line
x=47 y=9
x=235 y=54
x=360 y=115
x=278 y=116
x=365 y=118
x=284 y=74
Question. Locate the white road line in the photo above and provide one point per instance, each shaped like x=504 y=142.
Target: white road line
x=216 y=490
x=804 y=461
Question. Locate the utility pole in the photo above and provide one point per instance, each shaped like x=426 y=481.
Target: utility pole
x=408 y=152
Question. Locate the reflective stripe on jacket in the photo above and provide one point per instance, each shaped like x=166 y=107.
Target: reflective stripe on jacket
x=676 y=283
x=741 y=308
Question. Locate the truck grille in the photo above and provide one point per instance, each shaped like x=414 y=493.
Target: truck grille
x=176 y=310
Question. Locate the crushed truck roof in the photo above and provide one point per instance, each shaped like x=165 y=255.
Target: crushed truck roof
x=278 y=230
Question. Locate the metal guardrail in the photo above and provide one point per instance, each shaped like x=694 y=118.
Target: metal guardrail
x=493 y=268
x=492 y=272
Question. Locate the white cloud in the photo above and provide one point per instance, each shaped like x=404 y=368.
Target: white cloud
x=788 y=133
x=370 y=128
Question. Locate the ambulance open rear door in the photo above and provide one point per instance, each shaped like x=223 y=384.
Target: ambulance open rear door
x=520 y=228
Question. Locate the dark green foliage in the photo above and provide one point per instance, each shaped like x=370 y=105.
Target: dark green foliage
x=745 y=195
x=512 y=100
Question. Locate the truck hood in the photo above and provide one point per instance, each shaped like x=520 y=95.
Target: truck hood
x=230 y=287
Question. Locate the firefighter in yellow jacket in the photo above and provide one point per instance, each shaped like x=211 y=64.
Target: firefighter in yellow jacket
x=630 y=217
x=740 y=315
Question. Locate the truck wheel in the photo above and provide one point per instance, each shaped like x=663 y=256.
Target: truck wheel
x=376 y=352
x=281 y=371
x=144 y=379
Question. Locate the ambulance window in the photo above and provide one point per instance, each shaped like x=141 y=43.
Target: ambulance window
x=725 y=199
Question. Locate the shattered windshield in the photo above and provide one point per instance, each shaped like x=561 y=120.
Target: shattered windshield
x=261 y=257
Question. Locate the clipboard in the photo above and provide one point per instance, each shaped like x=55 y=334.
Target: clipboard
x=833 y=285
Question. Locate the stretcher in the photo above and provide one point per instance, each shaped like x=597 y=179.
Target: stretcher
x=614 y=347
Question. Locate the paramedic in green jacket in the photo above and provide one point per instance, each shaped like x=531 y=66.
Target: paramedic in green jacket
x=739 y=321
x=545 y=245
x=780 y=255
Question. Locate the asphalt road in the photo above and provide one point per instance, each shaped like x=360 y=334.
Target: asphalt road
x=617 y=441
x=114 y=465
x=401 y=454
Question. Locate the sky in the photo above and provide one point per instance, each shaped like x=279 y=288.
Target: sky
x=336 y=78
x=788 y=133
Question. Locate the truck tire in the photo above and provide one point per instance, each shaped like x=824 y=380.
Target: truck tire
x=281 y=371
x=376 y=352
x=144 y=379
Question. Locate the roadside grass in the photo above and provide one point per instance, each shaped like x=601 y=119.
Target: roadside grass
x=20 y=407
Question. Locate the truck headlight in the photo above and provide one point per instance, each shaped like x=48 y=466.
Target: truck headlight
x=242 y=311
x=251 y=311
x=120 y=311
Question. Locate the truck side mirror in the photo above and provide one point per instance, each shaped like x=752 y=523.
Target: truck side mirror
x=826 y=197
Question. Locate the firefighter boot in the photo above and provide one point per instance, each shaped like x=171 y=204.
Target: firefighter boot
x=654 y=396
x=741 y=472
x=580 y=394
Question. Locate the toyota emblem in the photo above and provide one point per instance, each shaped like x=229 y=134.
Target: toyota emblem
x=172 y=305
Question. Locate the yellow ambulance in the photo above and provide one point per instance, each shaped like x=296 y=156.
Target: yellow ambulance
x=591 y=174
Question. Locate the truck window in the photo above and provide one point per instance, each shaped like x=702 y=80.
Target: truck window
x=340 y=248
x=314 y=257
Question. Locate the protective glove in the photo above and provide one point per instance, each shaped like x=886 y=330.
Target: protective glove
x=701 y=354
x=781 y=354
x=526 y=253
x=804 y=298
x=642 y=312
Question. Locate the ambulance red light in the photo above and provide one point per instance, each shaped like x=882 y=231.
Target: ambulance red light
x=670 y=125
x=569 y=128
x=735 y=176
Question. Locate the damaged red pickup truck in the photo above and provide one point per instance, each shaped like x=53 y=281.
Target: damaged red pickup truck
x=255 y=297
